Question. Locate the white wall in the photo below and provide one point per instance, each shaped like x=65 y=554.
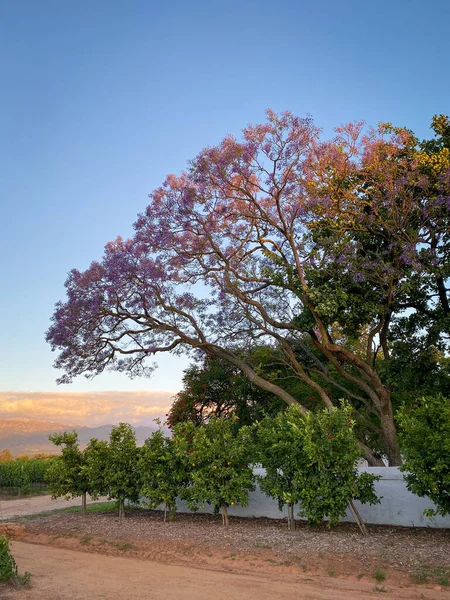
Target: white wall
x=398 y=505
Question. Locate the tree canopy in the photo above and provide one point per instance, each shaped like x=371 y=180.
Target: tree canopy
x=67 y=475
x=333 y=253
x=425 y=436
x=215 y=387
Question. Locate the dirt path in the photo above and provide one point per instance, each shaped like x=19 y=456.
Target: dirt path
x=35 y=505
x=71 y=575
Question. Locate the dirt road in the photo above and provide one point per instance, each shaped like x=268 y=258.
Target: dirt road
x=35 y=505
x=71 y=575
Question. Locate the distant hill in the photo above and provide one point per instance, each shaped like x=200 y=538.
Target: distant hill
x=25 y=426
x=30 y=436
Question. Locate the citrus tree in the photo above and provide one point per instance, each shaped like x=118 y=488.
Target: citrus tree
x=218 y=455
x=163 y=472
x=311 y=458
x=95 y=468
x=281 y=455
x=122 y=476
x=66 y=475
x=425 y=444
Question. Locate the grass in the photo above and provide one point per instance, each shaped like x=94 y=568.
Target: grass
x=379 y=575
x=331 y=572
x=443 y=576
x=419 y=577
x=99 y=507
x=427 y=574
x=124 y=546
x=86 y=539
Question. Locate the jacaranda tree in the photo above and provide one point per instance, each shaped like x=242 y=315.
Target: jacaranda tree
x=314 y=248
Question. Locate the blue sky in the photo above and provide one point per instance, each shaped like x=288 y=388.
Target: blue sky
x=100 y=100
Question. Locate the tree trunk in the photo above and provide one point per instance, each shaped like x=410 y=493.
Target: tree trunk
x=358 y=519
x=225 y=517
x=291 y=516
x=372 y=460
x=165 y=512
x=83 y=504
x=121 y=510
x=389 y=430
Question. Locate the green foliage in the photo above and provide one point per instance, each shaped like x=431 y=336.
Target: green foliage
x=67 y=474
x=216 y=387
x=23 y=472
x=96 y=460
x=425 y=444
x=279 y=452
x=163 y=471
x=8 y=566
x=122 y=475
x=219 y=456
x=311 y=458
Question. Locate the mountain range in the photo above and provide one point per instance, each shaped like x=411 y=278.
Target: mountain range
x=30 y=436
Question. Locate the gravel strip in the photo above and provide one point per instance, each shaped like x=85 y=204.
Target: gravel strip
x=403 y=548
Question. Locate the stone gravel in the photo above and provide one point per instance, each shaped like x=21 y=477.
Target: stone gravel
x=403 y=548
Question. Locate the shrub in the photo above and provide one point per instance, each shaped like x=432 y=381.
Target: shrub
x=163 y=472
x=67 y=475
x=425 y=445
x=311 y=458
x=219 y=456
x=8 y=566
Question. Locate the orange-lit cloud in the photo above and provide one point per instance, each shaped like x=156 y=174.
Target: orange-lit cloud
x=86 y=408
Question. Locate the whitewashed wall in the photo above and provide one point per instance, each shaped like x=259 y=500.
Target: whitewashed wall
x=398 y=505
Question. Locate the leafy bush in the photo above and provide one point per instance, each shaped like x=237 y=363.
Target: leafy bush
x=425 y=445
x=67 y=474
x=218 y=455
x=279 y=452
x=122 y=468
x=163 y=472
x=8 y=566
x=311 y=458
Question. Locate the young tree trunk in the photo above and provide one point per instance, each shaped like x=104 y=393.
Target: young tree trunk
x=83 y=504
x=390 y=432
x=165 y=512
x=121 y=509
x=225 y=517
x=360 y=522
x=291 y=516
